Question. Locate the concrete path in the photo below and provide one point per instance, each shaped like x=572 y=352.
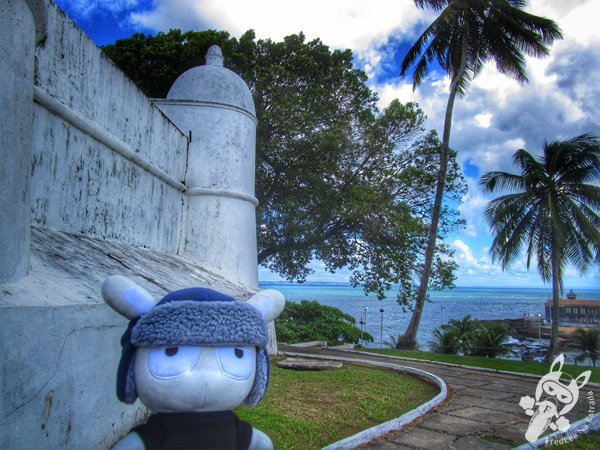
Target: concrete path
x=482 y=410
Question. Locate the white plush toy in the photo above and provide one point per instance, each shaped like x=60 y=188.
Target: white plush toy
x=191 y=358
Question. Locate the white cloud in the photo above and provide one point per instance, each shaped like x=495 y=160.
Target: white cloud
x=471 y=209
x=390 y=91
x=576 y=18
x=167 y=14
x=464 y=252
x=483 y=120
x=351 y=24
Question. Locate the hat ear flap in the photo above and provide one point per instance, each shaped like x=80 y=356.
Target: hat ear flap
x=261 y=378
x=126 y=391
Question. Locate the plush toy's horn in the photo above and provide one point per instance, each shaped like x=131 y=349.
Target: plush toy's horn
x=126 y=297
x=269 y=302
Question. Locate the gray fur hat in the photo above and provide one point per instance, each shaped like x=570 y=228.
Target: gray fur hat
x=196 y=316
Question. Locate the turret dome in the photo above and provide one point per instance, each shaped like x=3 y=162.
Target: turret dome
x=213 y=83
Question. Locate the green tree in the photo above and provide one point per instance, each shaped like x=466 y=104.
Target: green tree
x=465 y=330
x=466 y=35
x=445 y=340
x=490 y=340
x=588 y=342
x=155 y=62
x=551 y=212
x=311 y=321
x=337 y=179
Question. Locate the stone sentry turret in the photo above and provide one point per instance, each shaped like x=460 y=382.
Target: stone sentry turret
x=214 y=107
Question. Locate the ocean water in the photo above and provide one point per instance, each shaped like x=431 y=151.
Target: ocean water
x=480 y=303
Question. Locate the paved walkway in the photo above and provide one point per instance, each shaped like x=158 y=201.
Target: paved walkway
x=482 y=410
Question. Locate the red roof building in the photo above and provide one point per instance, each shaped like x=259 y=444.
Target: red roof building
x=575 y=312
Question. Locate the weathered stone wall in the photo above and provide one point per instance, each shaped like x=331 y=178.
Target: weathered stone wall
x=79 y=183
x=60 y=343
x=100 y=174
x=17 y=31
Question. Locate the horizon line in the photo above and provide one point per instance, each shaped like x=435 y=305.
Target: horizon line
x=474 y=286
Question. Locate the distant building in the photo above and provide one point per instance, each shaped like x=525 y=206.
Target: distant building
x=573 y=311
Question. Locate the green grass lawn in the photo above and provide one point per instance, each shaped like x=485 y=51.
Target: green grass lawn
x=531 y=367
x=310 y=409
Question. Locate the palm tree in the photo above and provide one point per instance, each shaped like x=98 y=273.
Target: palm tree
x=491 y=340
x=465 y=329
x=552 y=212
x=588 y=341
x=445 y=341
x=466 y=35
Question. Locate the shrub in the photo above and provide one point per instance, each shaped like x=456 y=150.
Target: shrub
x=311 y=321
x=472 y=337
x=490 y=340
x=446 y=341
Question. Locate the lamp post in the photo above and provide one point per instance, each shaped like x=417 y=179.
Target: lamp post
x=540 y=330
x=362 y=338
x=366 y=309
x=442 y=314
x=381 y=333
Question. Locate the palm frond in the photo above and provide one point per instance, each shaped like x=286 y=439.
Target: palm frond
x=480 y=31
x=511 y=218
x=553 y=209
x=436 y=5
x=503 y=181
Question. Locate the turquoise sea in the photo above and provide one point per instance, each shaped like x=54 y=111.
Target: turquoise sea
x=480 y=303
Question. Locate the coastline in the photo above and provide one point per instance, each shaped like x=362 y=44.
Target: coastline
x=386 y=318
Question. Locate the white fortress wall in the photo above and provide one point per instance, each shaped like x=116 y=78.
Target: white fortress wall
x=106 y=162
x=93 y=183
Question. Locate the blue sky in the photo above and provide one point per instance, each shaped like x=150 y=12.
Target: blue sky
x=496 y=117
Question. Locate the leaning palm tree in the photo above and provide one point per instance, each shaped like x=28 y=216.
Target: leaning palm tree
x=466 y=35
x=551 y=212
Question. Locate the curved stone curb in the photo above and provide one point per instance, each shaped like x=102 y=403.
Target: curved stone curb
x=582 y=426
x=462 y=366
x=392 y=425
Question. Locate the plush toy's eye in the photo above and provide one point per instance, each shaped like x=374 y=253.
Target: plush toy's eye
x=237 y=362
x=172 y=362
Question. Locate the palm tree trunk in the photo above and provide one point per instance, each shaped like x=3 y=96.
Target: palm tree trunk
x=553 y=350
x=409 y=339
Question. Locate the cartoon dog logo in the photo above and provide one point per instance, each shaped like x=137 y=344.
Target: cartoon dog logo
x=553 y=399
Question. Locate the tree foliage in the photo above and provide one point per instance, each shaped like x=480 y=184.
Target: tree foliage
x=490 y=340
x=310 y=321
x=551 y=212
x=337 y=179
x=465 y=329
x=472 y=337
x=587 y=341
x=470 y=33
x=444 y=341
